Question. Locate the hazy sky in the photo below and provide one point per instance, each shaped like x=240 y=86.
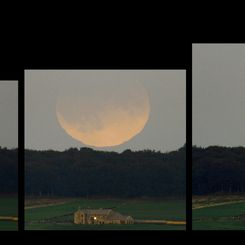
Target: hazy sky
x=9 y=114
x=165 y=129
x=219 y=94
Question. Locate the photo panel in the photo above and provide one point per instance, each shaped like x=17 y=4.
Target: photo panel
x=8 y=155
x=105 y=149
x=218 y=181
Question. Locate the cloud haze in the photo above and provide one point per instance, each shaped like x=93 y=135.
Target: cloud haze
x=9 y=114
x=219 y=94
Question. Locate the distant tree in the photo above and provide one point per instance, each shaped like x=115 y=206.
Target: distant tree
x=218 y=169
x=99 y=173
x=8 y=170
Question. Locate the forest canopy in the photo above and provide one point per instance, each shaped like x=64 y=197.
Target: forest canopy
x=86 y=172
x=8 y=171
x=218 y=169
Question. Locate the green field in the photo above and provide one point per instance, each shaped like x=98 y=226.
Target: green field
x=222 y=215
x=52 y=217
x=8 y=207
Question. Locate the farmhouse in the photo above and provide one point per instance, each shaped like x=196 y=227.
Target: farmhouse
x=100 y=216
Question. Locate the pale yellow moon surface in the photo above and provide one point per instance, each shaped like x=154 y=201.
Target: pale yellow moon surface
x=103 y=114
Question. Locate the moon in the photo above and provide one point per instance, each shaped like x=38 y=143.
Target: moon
x=103 y=114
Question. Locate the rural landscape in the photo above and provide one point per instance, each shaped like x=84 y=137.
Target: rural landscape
x=101 y=159
x=149 y=187
x=218 y=154
x=58 y=213
x=219 y=188
x=8 y=155
x=8 y=189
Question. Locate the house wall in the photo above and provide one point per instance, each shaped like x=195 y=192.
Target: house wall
x=83 y=218
x=78 y=218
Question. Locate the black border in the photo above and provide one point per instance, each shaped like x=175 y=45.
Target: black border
x=170 y=56
x=201 y=233
x=189 y=141
x=188 y=168
x=14 y=76
x=21 y=149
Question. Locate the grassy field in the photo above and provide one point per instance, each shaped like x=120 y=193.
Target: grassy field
x=8 y=207
x=37 y=210
x=219 y=213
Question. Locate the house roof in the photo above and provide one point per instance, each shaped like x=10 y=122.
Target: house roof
x=96 y=211
x=116 y=215
x=109 y=213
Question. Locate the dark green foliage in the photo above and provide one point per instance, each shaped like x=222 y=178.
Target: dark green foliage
x=218 y=169
x=8 y=171
x=88 y=173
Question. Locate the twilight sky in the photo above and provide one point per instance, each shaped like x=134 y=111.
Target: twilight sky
x=164 y=131
x=9 y=114
x=218 y=94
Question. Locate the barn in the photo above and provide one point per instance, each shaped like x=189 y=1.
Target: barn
x=100 y=216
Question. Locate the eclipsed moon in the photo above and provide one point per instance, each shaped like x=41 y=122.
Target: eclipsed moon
x=103 y=114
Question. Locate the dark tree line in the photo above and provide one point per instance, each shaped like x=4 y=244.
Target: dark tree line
x=8 y=171
x=90 y=173
x=87 y=172
x=218 y=169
